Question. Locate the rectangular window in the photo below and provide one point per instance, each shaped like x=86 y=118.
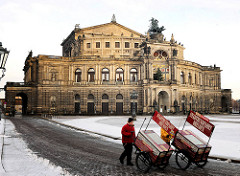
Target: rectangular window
x=88 y=45
x=117 y=44
x=175 y=52
x=136 y=45
x=97 y=44
x=107 y=44
x=127 y=45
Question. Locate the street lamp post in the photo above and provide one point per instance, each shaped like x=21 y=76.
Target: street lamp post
x=3 y=59
x=183 y=106
x=95 y=108
x=134 y=96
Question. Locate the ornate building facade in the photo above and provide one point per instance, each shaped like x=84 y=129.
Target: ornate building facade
x=102 y=66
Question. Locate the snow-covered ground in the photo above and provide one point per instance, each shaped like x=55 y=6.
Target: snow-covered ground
x=17 y=159
x=225 y=140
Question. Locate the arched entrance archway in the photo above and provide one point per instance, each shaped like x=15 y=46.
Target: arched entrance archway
x=163 y=101
x=21 y=103
x=224 y=104
x=119 y=104
x=105 y=104
x=90 y=104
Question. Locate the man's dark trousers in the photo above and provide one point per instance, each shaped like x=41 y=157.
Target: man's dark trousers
x=127 y=152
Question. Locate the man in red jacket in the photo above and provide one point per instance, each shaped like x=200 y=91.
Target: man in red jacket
x=128 y=136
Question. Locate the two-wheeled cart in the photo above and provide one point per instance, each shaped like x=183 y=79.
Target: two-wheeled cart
x=189 y=147
x=151 y=150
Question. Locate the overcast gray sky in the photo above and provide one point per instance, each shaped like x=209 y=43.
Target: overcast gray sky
x=209 y=29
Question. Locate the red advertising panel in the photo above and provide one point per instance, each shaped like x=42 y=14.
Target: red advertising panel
x=201 y=116
x=202 y=124
x=165 y=124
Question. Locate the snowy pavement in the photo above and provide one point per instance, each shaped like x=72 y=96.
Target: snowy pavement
x=2 y=123
x=225 y=140
x=17 y=159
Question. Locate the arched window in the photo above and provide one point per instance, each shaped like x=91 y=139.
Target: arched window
x=105 y=97
x=91 y=75
x=105 y=74
x=182 y=78
x=77 y=97
x=90 y=97
x=133 y=75
x=119 y=75
x=190 y=78
x=78 y=74
x=119 y=97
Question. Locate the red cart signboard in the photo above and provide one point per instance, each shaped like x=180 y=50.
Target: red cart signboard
x=201 y=123
x=165 y=124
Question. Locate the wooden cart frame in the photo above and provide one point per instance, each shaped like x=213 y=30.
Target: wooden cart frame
x=186 y=150
x=146 y=155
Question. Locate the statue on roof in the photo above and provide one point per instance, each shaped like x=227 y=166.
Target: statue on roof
x=155 y=32
x=113 y=20
x=154 y=28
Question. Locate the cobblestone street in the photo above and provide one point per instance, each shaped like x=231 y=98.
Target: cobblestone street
x=83 y=154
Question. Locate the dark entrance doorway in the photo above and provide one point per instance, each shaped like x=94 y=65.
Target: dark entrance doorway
x=90 y=108
x=24 y=102
x=105 y=104
x=224 y=104
x=119 y=104
x=105 y=108
x=77 y=107
x=119 y=108
x=90 y=105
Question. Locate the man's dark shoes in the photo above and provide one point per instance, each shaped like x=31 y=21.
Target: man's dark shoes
x=130 y=164
x=121 y=161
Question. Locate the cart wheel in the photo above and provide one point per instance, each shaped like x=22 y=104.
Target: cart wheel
x=143 y=162
x=201 y=163
x=183 y=161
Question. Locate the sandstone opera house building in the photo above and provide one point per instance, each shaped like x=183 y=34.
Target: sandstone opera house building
x=102 y=66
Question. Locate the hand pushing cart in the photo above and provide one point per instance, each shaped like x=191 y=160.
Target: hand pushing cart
x=189 y=147
x=151 y=150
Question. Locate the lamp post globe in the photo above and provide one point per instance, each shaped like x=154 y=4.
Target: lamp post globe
x=3 y=59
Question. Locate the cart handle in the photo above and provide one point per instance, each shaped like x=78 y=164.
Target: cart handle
x=140 y=129
x=142 y=124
